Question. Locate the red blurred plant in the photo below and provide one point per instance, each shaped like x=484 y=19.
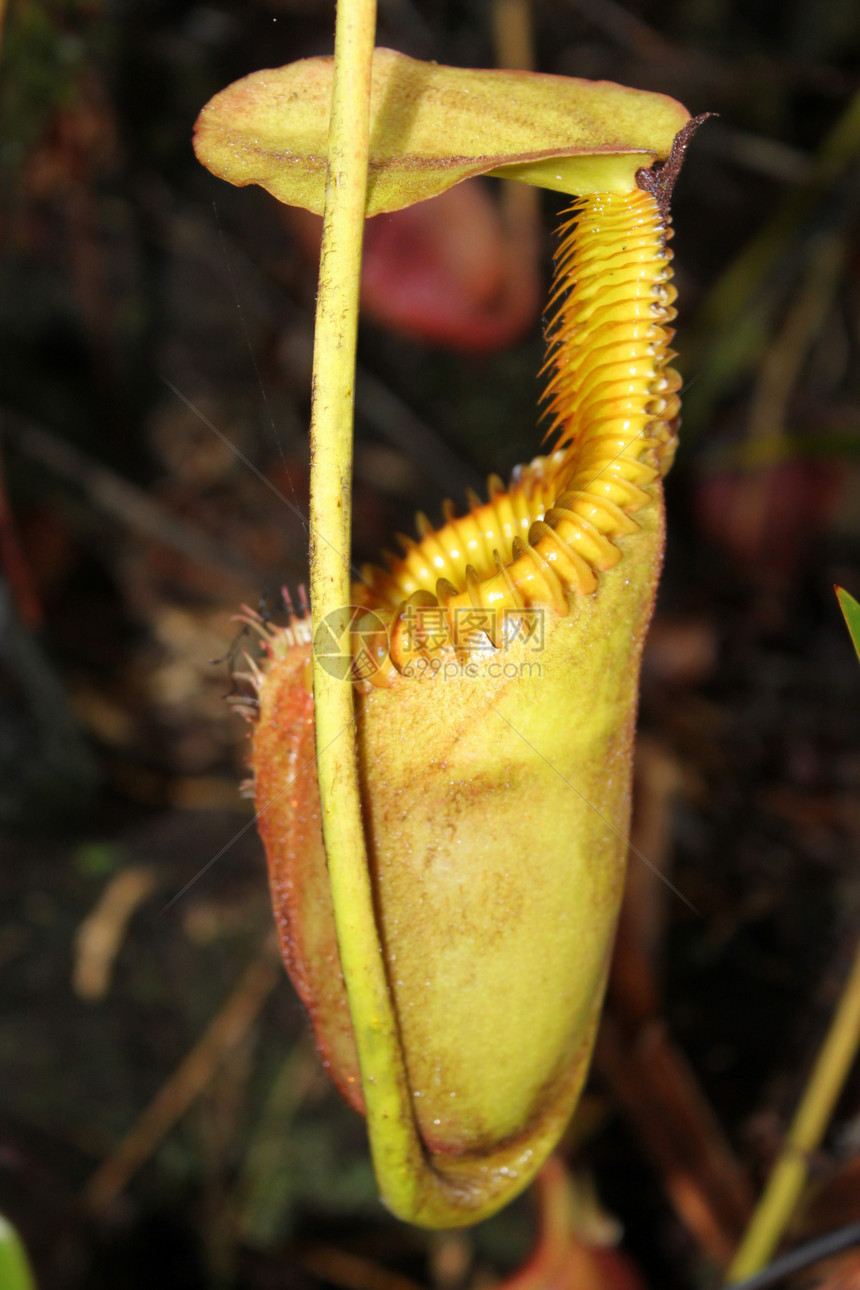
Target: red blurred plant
x=563 y=1258
x=454 y=271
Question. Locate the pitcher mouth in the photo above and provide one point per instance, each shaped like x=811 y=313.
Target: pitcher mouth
x=612 y=401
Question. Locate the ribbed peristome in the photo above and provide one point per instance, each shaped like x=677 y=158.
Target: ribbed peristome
x=612 y=402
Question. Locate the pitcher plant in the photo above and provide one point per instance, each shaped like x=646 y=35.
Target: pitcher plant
x=494 y=661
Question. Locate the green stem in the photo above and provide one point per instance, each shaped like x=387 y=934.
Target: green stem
x=779 y=1201
x=408 y=1184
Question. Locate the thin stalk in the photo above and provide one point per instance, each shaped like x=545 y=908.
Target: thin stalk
x=406 y=1181
x=786 y=1183
x=513 y=40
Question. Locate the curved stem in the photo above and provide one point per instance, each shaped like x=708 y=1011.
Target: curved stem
x=408 y=1184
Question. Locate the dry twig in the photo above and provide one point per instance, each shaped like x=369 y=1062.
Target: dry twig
x=188 y=1081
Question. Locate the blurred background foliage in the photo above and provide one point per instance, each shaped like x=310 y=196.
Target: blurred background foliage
x=163 y=1117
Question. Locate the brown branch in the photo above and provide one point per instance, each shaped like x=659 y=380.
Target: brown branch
x=225 y=1031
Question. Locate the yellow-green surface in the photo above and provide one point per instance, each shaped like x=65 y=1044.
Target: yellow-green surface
x=496 y=808
x=433 y=126
x=497 y=812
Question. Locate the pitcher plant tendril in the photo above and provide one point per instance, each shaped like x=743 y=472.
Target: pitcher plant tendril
x=495 y=662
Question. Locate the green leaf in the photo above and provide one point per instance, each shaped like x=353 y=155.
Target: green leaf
x=432 y=127
x=15 y=1271
x=851 y=610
